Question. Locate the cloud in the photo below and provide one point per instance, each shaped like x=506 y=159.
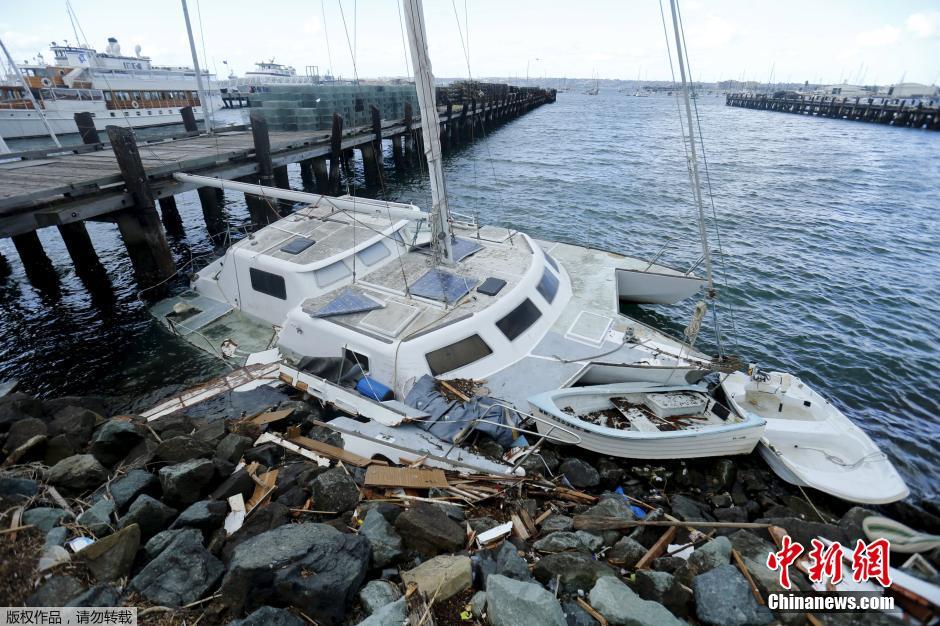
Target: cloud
x=924 y=24
x=712 y=32
x=884 y=36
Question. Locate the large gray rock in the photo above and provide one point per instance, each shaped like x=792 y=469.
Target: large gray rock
x=205 y=515
x=180 y=574
x=689 y=510
x=576 y=615
x=77 y=474
x=269 y=616
x=112 y=557
x=159 y=542
x=555 y=523
x=334 y=490
x=16 y=489
x=114 y=439
x=253 y=563
x=186 y=482
x=46 y=518
x=577 y=570
x=182 y=448
x=232 y=447
x=442 y=577
x=22 y=431
x=626 y=553
x=126 y=489
x=561 y=541
x=723 y=597
x=707 y=557
x=264 y=518
x=429 y=531
x=149 y=513
x=97 y=518
x=324 y=582
x=620 y=606
x=100 y=595
x=377 y=593
x=385 y=542
x=76 y=424
x=663 y=588
x=56 y=591
x=393 y=614
x=511 y=602
x=580 y=473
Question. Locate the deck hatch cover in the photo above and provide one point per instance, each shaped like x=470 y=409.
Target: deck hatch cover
x=297 y=245
x=437 y=284
x=391 y=319
x=347 y=302
x=491 y=286
x=462 y=248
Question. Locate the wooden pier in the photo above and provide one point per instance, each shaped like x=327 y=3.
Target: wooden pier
x=888 y=111
x=123 y=181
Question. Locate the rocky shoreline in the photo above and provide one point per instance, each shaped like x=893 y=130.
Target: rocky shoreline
x=321 y=547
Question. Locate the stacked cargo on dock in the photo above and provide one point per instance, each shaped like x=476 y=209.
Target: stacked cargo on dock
x=311 y=107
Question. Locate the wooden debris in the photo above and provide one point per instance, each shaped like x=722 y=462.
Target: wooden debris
x=592 y=612
x=458 y=388
x=587 y=522
x=494 y=534
x=747 y=574
x=16 y=522
x=332 y=452
x=527 y=521
x=572 y=495
x=405 y=477
x=269 y=417
x=293 y=447
x=264 y=486
x=544 y=516
x=657 y=549
x=519 y=528
x=58 y=499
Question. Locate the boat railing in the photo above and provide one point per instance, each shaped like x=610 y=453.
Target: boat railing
x=695 y=265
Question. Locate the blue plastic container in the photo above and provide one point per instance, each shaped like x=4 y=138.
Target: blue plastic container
x=371 y=388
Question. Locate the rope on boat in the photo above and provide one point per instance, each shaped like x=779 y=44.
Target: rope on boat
x=695 y=324
x=841 y=462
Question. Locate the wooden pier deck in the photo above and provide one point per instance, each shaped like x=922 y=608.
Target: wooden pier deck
x=124 y=179
x=892 y=112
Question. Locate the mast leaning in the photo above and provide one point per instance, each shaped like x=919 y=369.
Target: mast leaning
x=203 y=97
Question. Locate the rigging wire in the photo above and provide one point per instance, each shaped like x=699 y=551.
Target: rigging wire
x=326 y=36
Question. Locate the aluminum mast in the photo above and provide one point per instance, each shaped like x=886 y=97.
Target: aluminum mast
x=430 y=130
x=206 y=106
x=29 y=93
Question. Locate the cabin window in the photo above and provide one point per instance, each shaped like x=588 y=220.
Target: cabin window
x=374 y=253
x=548 y=286
x=457 y=355
x=519 y=320
x=268 y=283
x=551 y=261
x=357 y=358
x=331 y=274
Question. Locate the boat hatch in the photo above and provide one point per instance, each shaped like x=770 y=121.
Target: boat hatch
x=349 y=301
x=390 y=320
x=443 y=286
x=590 y=328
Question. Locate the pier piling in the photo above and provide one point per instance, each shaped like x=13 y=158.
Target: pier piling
x=170 y=215
x=82 y=252
x=212 y=212
x=261 y=209
x=336 y=149
x=189 y=120
x=86 y=127
x=39 y=269
x=306 y=173
x=140 y=225
x=321 y=175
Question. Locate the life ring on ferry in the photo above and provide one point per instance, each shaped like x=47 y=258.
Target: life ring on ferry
x=135 y=104
x=46 y=81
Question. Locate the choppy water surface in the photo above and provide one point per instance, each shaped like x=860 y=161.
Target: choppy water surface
x=829 y=229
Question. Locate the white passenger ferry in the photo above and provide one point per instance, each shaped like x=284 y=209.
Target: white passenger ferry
x=113 y=87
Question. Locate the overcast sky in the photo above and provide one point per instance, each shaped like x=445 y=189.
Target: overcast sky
x=867 y=41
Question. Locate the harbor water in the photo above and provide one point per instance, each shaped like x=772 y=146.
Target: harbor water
x=829 y=265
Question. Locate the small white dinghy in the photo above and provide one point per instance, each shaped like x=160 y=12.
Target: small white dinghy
x=657 y=284
x=644 y=421
x=809 y=442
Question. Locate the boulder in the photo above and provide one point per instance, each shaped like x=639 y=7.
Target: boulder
x=511 y=602
x=376 y=594
x=267 y=454
x=443 y=576
x=15 y=489
x=620 y=606
x=704 y=558
x=560 y=542
x=159 y=542
x=334 y=490
x=576 y=615
x=723 y=597
x=429 y=531
x=611 y=474
x=385 y=542
x=149 y=513
x=689 y=510
x=75 y=424
x=24 y=430
x=269 y=616
x=510 y=564
x=626 y=553
x=126 y=489
x=324 y=582
x=114 y=439
x=236 y=482
x=18 y=406
x=543 y=463
x=232 y=447
x=663 y=588
x=851 y=525
x=754 y=551
x=112 y=557
x=804 y=531
x=669 y=564
x=393 y=614
x=555 y=523
x=576 y=569
x=56 y=591
x=56 y=537
x=478 y=604
x=77 y=474
x=97 y=517
x=58 y=448
x=580 y=473
x=182 y=573
x=173 y=425
x=206 y=515
x=186 y=482
x=265 y=518
x=101 y=595
x=46 y=518
x=183 y=448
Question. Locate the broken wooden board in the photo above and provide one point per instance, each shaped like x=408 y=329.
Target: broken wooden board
x=270 y=416
x=406 y=477
x=332 y=452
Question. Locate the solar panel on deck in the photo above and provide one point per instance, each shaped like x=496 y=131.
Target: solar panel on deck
x=347 y=302
x=491 y=286
x=298 y=245
x=462 y=248
x=443 y=286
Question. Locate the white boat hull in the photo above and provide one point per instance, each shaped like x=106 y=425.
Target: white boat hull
x=727 y=440
x=658 y=285
x=20 y=124
x=816 y=445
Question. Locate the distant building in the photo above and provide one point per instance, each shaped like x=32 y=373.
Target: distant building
x=913 y=90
